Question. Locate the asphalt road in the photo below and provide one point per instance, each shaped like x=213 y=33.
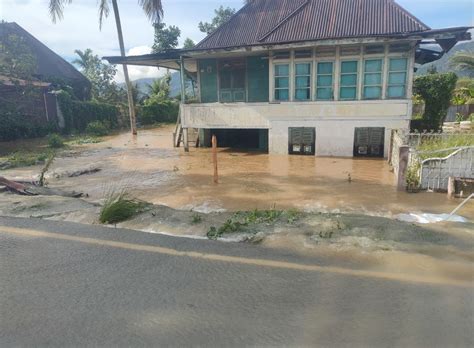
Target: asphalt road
x=64 y=284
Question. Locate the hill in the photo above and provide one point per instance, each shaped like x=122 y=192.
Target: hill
x=175 y=84
x=443 y=65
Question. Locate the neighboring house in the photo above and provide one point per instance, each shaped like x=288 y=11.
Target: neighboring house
x=324 y=77
x=51 y=68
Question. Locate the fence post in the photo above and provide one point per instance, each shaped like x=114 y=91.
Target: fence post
x=402 y=167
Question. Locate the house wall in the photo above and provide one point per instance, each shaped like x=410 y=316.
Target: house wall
x=334 y=121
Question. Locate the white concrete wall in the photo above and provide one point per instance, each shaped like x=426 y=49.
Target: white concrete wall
x=334 y=121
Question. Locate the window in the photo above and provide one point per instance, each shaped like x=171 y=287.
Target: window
x=282 y=55
x=350 y=50
x=301 y=141
x=326 y=51
x=324 y=81
x=374 y=49
x=282 y=82
x=303 y=81
x=373 y=79
x=303 y=54
x=348 y=90
x=399 y=47
x=397 y=78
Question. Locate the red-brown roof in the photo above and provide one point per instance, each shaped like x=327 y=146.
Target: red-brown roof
x=282 y=21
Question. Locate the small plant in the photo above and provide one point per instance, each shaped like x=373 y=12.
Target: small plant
x=196 y=219
x=119 y=207
x=459 y=117
x=55 y=141
x=98 y=128
x=87 y=140
x=413 y=178
x=292 y=215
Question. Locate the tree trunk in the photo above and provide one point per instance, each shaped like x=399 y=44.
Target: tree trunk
x=131 y=106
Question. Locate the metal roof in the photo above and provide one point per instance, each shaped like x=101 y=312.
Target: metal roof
x=263 y=22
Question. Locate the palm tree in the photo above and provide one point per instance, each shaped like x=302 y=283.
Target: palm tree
x=463 y=60
x=153 y=10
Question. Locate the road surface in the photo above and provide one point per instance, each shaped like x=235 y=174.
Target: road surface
x=64 y=284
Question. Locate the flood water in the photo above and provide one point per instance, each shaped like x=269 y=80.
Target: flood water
x=158 y=173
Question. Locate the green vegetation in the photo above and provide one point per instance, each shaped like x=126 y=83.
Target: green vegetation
x=437 y=91
x=222 y=15
x=119 y=207
x=413 y=177
x=432 y=146
x=86 y=139
x=243 y=221
x=25 y=159
x=159 y=107
x=55 y=141
x=78 y=114
x=196 y=219
x=98 y=128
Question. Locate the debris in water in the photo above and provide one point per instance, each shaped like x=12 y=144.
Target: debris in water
x=430 y=218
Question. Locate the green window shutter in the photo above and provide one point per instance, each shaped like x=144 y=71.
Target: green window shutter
x=257 y=75
x=208 y=80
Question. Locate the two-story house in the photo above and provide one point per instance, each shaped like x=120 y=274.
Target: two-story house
x=316 y=77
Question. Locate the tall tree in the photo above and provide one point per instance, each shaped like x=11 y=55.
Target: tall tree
x=188 y=43
x=153 y=10
x=100 y=74
x=165 y=37
x=222 y=15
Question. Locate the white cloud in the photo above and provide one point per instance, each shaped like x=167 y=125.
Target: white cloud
x=139 y=72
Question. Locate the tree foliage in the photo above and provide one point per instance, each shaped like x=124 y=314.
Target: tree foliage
x=436 y=90
x=165 y=37
x=222 y=15
x=188 y=44
x=16 y=57
x=101 y=76
x=463 y=60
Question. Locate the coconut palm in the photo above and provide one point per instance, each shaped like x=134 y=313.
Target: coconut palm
x=153 y=10
x=463 y=60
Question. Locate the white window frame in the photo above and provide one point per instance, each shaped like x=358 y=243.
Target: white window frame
x=275 y=76
x=333 y=75
x=381 y=85
x=357 y=85
x=310 y=87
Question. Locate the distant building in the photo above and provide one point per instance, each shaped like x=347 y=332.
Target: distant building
x=51 y=68
x=315 y=77
x=33 y=98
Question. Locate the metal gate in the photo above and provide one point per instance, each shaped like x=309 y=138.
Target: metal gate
x=369 y=142
x=301 y=141
x=435 y=172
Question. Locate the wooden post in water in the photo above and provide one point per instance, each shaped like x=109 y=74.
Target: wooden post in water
x=214 y=158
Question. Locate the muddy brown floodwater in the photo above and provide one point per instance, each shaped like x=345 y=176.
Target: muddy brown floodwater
x=160 y=174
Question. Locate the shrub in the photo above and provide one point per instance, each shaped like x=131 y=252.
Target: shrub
x=55 y=141
x=98 y=128
x=119 y=207
x=437 y=91
x=165 y=111
x=78 y=114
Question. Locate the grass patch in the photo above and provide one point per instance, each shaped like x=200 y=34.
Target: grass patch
x=55 y=141
x=24 y=159
x=435 y=145
x=241 y=221
x=86 y=139
x=196 y=219
x=119 y=207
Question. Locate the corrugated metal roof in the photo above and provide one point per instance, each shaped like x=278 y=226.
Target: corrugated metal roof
x=277 y=21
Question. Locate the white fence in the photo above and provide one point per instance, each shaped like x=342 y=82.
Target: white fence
x=435 y=172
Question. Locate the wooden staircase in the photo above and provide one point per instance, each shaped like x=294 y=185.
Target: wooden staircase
x=187 y=136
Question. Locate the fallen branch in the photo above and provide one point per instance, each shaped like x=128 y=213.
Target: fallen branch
x=32 y=190
x=15 y=187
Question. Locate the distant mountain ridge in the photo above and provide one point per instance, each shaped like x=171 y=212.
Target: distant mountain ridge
x=443 y=65
x=175 y=84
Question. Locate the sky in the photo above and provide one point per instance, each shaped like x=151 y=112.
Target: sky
x=79 y=29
